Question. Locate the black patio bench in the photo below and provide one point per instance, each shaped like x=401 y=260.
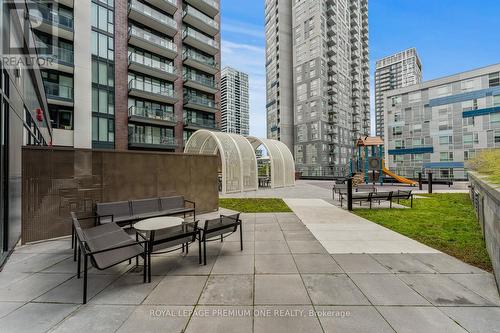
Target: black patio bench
x=356 y=197
x=105 y=246
x=403 y=195
x=366 y=188
x=381 y=196
x=223 y=226
x=127 y=212
x=339 y=189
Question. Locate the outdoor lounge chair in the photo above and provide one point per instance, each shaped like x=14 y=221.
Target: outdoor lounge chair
x=105 y=246
x=220 y=227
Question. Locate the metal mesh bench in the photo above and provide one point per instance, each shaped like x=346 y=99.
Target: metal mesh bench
x=220 y=227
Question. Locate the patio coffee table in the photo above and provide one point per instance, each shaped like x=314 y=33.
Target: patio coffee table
x=165 y=232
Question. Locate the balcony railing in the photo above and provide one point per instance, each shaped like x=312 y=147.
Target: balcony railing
x=151 y=88
x=212 y=3
x=200 y=37
x=51 y=16
x=61 y=55
x=202 y=17
x=209 y=61
x=201 y=79
x=151 y=63
x=195 y=99
x=200 y=122
x=156 y=40
x=58 y=91
x=156 y=114
x=149 y=139
x=152 y=13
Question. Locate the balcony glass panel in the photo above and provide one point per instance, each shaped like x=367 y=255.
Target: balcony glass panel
x=202 y=17
x=192 y=98
x=51 y=16
x=151 y=135
x=202 y=79
x=151 y=87
x=190 y=53
x=193 y=120
x=153 y=13
x=58 y=91
x=153 y=63
x=158 y=114
x=201 y=37
x=152 y=38
x=61 y=55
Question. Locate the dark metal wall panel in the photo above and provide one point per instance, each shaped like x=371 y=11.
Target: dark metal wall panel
x=57 y=181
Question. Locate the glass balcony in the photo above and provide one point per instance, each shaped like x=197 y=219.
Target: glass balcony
x=156 y=140
x=199 y=122
x=200 y=103
x=200 y=61
x=200 y=82
x=201 y=21
x=200 y=41
x=151 y=114
x=151 y=67
x=151 y=42
x=151 y=91
x=58 y=91
x=209 y=7
x=52 y=17
x=145 y=14
x=60 y=55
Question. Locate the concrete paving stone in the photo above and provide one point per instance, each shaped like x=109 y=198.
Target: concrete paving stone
x=265 y=219
x=280 y=289
x=286 y=319
x=316 y=263
x=359 y=263
x=275 y=264
x=243 y=264
x=482 y=284
x=271 y=247
x=300 y=235
x=352 y=319
x=128 y=289
x=95 y=318
x=475 y=320
x=287 y=218
x=32 y=287
x=233 y=249
x=213 y=248
x=333 y=289
x=71 y=291
x=8 y=278
x=269 y=236
x=190 y=266
x=157 y=319
x=402 y=263
x=359 y=235
x=215 y=319
x=228 y=290
x=177 y=290
x=419 y=320
x=306 y=247
x=162 y=265
x=16 y=257
x=442 y=291
x=35 y=317
x=444 y=263
x=53 y=246
x=248 y=236
x=295 y=226
x=35 y=263
x=387 y=289
x=8 y=307
x=267 y=227
x=69 y=266
x=365 y=246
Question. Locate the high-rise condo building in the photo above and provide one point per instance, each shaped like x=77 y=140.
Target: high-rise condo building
x=440 y=124
x=279 y=71
x=235 y=106
x=130 y=74
x=396 y=71
x=330 y=75
x=24 y=117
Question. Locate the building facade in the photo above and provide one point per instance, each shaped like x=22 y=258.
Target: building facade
x=235 y=107
x=139 y=74
x=393 y=72
x=24 y=116
x=438 y=125
x=330 y=83
x=279 y=71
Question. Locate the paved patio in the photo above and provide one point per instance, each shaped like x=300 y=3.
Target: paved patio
x=284 y=281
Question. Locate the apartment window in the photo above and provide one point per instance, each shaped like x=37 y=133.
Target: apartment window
x=103 y=73
x=396 y=100
x=497 y=136
x=496 y=100
x=494 y=79
x=445 y=140
x=446 y=156
x=102 y=45
x=399 y=144
x=469 y=121
x=414 y=97
x=469 y=154
x=397 y=130
x=61 y=117
x=495 y=118
x=418 y=142
x=102 y=18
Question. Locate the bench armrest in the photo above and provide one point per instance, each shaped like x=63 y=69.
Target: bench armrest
x=230 y=217
x=102 y=216
x=117 y=247
x=191 y=202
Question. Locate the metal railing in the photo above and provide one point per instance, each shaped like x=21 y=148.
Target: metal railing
x=152 y=63
x=200 y=37
x=202 y=17
x=151 y=38
x=191 y=54
x=61 y=55
x=51 y=16
x=151 y=88
x=208 y=123
x=158 y=114
x=206 y=81
x=191 y=98
x=141 y=138
x=58 y=91
x=152 y=13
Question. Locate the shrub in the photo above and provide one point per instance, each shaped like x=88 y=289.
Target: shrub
x=487 y=162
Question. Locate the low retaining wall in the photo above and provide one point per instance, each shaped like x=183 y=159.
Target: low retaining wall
x=486 y=200
x=56 y=181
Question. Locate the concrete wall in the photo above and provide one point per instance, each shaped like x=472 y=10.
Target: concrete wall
x=486 y=200
x=57 y=181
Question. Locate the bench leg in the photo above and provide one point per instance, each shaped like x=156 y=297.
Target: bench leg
x=72 y=236
x=85 y=279
x=199 y=247
x=137 y=257
x=411 y=202
x=221 y=238
x=241 y=237
x=74 y=248
x=149 y=263
x=187 y=248
x=204 y=250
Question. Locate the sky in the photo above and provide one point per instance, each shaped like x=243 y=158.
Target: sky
x=451 y=36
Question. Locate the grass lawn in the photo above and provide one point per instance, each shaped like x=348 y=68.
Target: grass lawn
x=446 y=222
x=486 y=163
x=255 y=205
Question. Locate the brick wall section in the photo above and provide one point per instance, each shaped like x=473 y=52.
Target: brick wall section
x=178 y=84
x=217 y=76
x=121 y=75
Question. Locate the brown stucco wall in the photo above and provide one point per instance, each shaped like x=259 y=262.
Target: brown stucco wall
x=56 y=181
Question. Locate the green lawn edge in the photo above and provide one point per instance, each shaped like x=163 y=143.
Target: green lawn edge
x=255 y=205
x=446 y=222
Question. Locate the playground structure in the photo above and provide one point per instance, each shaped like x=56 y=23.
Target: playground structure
x=371 y=158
